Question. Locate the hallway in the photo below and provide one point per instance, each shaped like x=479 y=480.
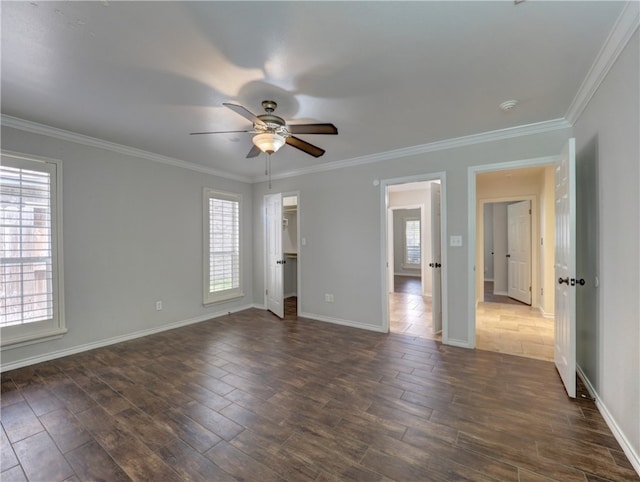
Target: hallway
x=503 y=325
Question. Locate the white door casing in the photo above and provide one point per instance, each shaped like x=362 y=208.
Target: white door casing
x=436 y=260
x=390 y=261
x=565 y=268
x=274 y=257
x=519 y=251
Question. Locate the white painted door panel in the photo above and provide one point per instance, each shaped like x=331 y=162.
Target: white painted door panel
x=436 y=259
x=274 y=259
x=565 y=255
x=519 y=251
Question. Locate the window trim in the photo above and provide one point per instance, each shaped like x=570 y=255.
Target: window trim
x=45 y=330
x=209 y=297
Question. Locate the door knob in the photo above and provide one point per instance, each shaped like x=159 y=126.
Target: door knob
x=580 y=282
x=563 y=280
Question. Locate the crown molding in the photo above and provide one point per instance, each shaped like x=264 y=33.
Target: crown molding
x=624 y=28
x=36 y=128
x=497 y=135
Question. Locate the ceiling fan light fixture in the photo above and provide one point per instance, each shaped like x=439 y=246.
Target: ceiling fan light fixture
x=269 y=142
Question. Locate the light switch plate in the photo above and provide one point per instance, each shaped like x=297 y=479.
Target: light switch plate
x=455 y=240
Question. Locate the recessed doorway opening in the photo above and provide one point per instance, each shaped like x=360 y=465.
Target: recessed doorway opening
x=413 y=259
x=515 y=262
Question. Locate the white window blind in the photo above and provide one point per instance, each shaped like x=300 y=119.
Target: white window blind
x=412 y=241
x=222 y=245
x=29 y=306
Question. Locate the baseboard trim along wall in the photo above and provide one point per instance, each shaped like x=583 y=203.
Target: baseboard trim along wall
x=113 y=340
x=633 y=457
x=338 y=321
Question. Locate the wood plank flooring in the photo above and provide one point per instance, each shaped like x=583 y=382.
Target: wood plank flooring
x=251 y=397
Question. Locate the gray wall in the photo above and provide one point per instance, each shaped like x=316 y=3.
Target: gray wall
x=608 y=154
x=337 y=207
x=132 y=234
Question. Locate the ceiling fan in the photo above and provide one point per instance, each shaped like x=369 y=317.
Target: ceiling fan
x=272 y=132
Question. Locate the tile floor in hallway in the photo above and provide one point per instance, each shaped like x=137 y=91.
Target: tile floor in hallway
x=514 y=329
x=507 y=327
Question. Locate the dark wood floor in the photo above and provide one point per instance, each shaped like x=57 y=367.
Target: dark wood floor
x=411 y=285
x=250 y=397
x=490 y=297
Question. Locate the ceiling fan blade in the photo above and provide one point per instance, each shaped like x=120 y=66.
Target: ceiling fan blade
x=238 y=109
x=313 y=129
x=254 y=152
x=305 y=146
x=217 y=132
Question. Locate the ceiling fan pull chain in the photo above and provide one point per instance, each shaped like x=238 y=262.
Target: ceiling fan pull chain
x=269 y=168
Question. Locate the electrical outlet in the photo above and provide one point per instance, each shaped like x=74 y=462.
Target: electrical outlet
x=328 y=297
x=455 y=240
x=158 y=305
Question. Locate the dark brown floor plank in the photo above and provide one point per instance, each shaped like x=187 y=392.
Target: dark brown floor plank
x=92 y=462
x=250 y=397
x=41 y=459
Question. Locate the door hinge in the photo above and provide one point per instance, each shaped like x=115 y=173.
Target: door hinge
x=529 y=211
x=266 y=292
x=529 y=289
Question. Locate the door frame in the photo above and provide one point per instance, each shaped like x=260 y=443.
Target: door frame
x=471 y=209
x=298 y=244
x=384 y=215
x=535 y=234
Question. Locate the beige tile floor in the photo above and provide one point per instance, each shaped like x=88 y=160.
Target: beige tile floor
x=506 y=328
x=411 y=314
x=514 y=329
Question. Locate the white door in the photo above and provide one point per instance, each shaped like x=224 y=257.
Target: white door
x=565 y=254
x=436 y=271
x=519 y=251
x=274 y=258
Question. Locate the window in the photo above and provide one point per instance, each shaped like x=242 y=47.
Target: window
x=412 y=242
x=222 y=280
x=30 y=251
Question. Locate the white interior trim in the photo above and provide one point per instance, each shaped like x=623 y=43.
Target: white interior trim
x=610 y=420
x=35 y=128
x=624 y=28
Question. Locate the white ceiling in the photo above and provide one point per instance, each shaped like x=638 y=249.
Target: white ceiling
x=389 y=75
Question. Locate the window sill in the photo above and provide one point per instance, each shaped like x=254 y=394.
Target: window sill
x=17 y=342
x=223 y=299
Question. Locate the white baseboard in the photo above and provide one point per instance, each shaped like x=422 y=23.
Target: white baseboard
x=338 y=321
x=501 y=293
x=633 y=457
x=545 y=314
x=113 y=340
x=458 y=343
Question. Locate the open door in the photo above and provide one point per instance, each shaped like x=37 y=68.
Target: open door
x=565 y=255
x=436 y=263
x=274 y=257
x=519 y=251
